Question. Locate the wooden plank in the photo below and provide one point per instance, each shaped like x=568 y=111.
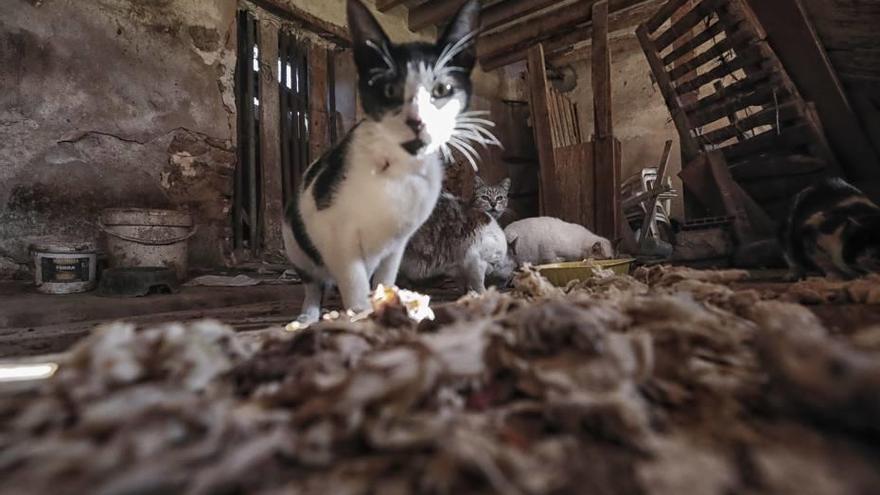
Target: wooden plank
x=622 y=16
x=519 y=37
x=537 y=77
x=772 y=116
x=776 y=166
x=570 y=162
x=690 y=46
x=270 y=139
x=601 y=68
x=386 y=5
x=663 y=15
x=688 y=21
x=436 y=12
x=283 y=120
x=286 y=10
x=762 y=96
x=788 y=139
x=252 y=132
x=689 y=145
x=749 y=57
x=241 y=72
x=738 y=40
x=319 y=120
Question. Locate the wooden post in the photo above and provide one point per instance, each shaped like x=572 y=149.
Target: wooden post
x=549 y=192
x=319 y=124
x=270 y=151
x=606 y=155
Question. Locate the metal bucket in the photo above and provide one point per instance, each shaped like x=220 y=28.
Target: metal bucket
x=65 y=268
x=144 y=237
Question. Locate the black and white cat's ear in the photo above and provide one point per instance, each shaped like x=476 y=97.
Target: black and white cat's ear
x=460 y=36
x=369 y=40
x=505 y=184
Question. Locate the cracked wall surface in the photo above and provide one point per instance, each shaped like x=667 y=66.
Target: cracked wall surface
x=114 y=103
x=126 y=103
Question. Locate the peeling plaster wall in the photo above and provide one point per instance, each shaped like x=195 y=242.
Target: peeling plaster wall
x=127 y=103
x=114 y=103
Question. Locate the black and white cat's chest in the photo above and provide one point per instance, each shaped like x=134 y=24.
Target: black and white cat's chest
x=379 y=191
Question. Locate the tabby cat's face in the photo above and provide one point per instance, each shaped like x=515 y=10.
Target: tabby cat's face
x=492 y=199
x=417 y=92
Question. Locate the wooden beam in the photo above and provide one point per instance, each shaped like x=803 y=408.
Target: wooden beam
x=319 y=123
x=289 y=12
x=270 y=136
x=601 y=67
x=437 y=12
x=537 y=78
x=539 y=29
x=606 y=154
x=623 y=15
x=386 y=5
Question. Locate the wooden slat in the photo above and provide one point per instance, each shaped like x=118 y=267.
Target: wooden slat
x=253 y=133
x=691 y=45
x=519 y=37
x=386 y=5
x=686 y=23
x=601 y=68
x=270 y=139
x=789 y=139
x=751 y=56
x=689 y=145
x=664 y=14
x=738 y=40
x=284 y=124
x=769 y=116
x=537 y=77
x=764 y=167
x=319 y=122
x=570 y=162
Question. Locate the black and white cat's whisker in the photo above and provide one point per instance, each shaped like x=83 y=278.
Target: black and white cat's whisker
x=474 y=137
x=475 y=121
x=478 y=134
x=384 y=53
x=457 y=145
x=450 y=51
x=469 y=152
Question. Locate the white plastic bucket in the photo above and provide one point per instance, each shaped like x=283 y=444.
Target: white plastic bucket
x=65 y=268
x=144 y=237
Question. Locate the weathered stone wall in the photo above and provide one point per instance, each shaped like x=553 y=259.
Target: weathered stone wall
x=123 y=103
x=113 y=103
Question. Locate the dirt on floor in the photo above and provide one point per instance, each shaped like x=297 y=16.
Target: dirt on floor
x=672 y=381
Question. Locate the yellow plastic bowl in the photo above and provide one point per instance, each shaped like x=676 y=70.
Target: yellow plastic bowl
x=560 y=274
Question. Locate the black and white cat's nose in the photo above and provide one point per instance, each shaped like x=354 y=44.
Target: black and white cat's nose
x=415 y=124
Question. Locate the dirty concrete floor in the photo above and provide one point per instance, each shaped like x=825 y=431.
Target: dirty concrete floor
x=32 y=323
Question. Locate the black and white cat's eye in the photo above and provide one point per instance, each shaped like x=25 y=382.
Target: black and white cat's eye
x=392 y=91
x=441 y=90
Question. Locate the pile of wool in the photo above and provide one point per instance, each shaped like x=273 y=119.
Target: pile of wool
x=667 y=382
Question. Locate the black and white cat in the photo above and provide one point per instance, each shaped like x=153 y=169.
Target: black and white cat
x=361 y=202
x=834 y=228
x=460 y=241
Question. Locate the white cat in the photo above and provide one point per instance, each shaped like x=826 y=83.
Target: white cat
x=359 y=204
x=543 y=240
